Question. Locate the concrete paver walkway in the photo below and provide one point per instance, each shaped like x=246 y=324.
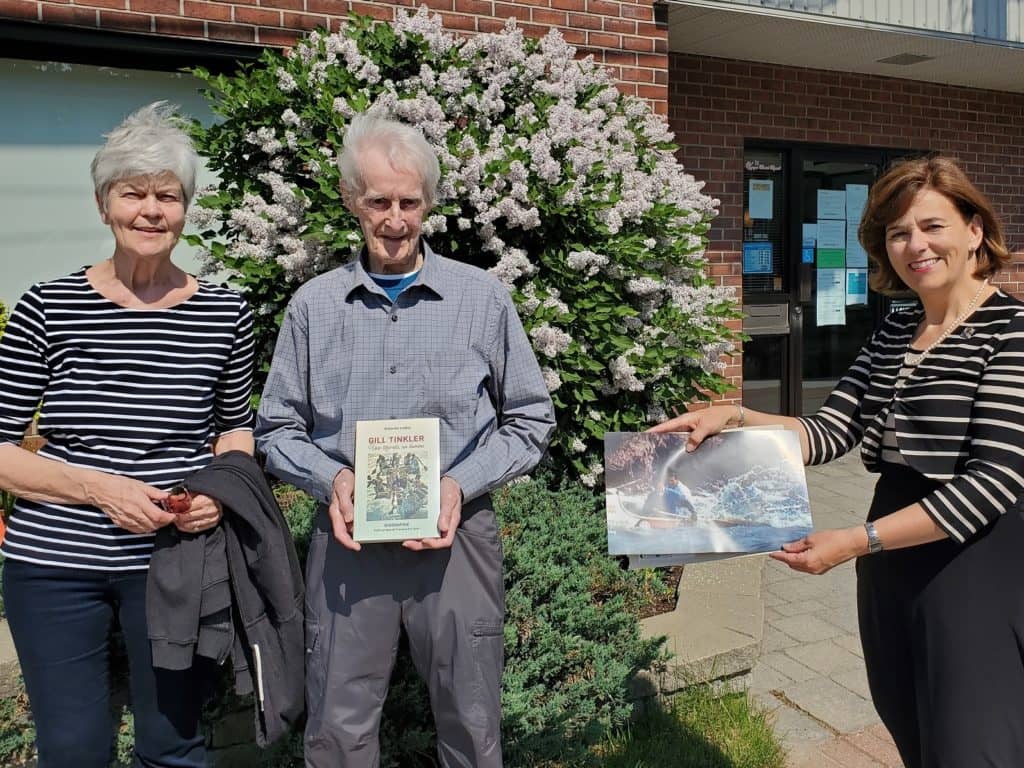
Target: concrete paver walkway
x=810 y=674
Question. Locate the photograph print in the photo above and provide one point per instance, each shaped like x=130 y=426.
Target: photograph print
x=742 y=491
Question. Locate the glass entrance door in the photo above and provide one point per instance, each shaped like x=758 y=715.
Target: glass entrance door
x=839 y=311
x=807 y=303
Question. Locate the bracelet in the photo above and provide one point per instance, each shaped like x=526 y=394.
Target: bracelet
x=874 y=542
x=741 y=419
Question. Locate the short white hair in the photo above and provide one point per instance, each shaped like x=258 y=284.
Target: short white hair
x=151 y=141
x=405 y=146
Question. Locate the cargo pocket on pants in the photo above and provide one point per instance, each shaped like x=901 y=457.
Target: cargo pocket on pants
x=315 y=610
x=488 y=642
x=314 y=678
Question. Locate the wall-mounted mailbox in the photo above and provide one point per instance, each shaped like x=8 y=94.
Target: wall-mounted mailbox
x=766 y=319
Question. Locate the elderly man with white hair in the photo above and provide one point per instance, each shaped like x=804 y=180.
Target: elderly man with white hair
x=402 y=332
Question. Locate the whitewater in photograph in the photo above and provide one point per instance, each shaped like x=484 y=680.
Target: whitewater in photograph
x=742 y=491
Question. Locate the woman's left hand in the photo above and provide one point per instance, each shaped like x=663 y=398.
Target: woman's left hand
x=821 y=551
x=204 y=514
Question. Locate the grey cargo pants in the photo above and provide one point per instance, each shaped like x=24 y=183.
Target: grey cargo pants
x=452 y=605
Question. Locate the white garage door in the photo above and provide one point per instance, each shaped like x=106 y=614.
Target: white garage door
x=52 y=121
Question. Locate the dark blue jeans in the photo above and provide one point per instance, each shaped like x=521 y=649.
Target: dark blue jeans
x=60 y=619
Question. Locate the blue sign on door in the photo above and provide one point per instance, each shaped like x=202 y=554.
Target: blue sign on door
x=757 y=258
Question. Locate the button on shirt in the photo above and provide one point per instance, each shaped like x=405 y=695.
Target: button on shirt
x=450 y=346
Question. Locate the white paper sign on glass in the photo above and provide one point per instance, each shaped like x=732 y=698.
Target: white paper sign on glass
x=831 y=233
x=831 y=299
x=759 y=198
x=831 y=204
x=856 y=199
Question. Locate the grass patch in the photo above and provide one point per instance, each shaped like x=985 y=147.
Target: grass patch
x=696 y=729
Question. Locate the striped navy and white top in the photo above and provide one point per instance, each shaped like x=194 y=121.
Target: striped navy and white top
x=958 y=416
x=136 y=392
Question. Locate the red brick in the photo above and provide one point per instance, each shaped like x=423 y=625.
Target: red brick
x=489 y=25
x=603 y=40
x=381 y=12
x=534 y=30
x=621 y=26
x=479 y=7
x=544 y=16
x=117 y=5
x=575 y=37
x=503 y=11
x=129 y=22
x=644 y=44
x=584 y=21
x=453 y=21
x=654 y=61
x=619 y=57
x=204 y=10
x=180 y=27
x=281 y=38
x=63 y=14
x=651 y=92
x=636 y=74
x=643 y=12
x=262 y=17
x=569 y=5
x=235 y=33
x=603 y=7
x=304 y=21
x=19 y=9
x=166 y=7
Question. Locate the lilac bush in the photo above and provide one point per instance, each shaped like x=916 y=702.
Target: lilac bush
x=565 y=189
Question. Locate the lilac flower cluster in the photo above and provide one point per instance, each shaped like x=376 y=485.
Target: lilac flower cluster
x=568 y=188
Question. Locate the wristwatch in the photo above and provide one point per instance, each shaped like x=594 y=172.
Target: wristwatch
x=874 y=543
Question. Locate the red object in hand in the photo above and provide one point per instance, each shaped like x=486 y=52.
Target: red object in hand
x=179 y=502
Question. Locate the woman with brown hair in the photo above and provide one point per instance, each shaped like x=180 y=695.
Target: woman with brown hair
x=936 y=400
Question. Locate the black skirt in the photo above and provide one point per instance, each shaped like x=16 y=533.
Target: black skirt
x=942 y=626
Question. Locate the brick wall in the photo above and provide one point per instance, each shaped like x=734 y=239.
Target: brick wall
x=619 y=33
x=714 y=104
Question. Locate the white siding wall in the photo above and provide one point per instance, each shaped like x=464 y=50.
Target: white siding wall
x=1000 y=20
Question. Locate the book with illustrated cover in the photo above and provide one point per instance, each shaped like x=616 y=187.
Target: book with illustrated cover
x=398 y=480
x=742 y=491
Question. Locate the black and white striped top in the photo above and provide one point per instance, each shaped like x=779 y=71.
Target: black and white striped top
x=958 y=416
x=136 y=392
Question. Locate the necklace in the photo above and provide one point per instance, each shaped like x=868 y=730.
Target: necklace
x=913 y=358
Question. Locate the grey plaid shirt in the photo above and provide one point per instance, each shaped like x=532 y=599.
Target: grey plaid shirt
x=451 y=346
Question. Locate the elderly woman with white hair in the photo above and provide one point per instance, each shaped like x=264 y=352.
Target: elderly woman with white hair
x=145 y=373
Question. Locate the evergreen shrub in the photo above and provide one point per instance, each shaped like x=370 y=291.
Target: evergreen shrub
x=572 y=639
